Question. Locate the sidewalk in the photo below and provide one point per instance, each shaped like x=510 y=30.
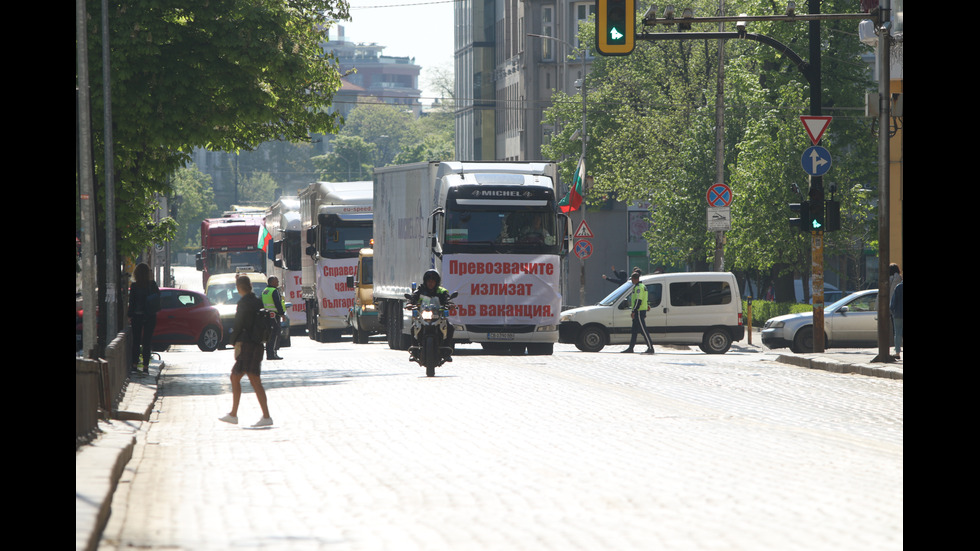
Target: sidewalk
x=99 y=465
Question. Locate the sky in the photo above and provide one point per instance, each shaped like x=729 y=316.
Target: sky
x=422 y=29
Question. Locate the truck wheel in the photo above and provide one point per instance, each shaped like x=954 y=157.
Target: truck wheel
x=208 y=341
x=716 y=341
x=591 y=339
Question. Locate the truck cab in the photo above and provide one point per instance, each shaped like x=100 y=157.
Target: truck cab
x=363 y=316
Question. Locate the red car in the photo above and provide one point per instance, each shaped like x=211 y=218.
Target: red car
x=187 y=317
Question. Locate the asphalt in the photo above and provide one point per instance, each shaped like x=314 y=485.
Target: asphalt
x=100 y=464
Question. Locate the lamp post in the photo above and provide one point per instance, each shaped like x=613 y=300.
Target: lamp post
x=583 y=137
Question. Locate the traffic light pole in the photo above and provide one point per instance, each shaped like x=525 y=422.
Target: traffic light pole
x=816 y=187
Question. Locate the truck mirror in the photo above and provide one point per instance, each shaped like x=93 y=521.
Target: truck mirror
x=350 y=282
x=277 y=262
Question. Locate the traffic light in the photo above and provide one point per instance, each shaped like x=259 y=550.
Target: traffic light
x=802 y=221
x=833 y=216
x=615 y=27
x=816 y=222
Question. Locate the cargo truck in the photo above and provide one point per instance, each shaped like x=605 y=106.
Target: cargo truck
x=230 y=244
x=282 y=220
x=337 y=222
x=492 y=230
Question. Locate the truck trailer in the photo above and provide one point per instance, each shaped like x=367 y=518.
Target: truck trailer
x=282 y=220
x=492 y=230
x=230 y=244
x=337 y=222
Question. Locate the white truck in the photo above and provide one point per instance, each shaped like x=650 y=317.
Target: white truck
x=282 y=221
x=337 y=221
x=492 y=230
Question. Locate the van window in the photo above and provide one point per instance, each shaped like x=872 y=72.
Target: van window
x=700 y=293
x=655 y=293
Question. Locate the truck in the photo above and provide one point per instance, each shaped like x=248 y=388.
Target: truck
x=493 y=231
x=230 y=244
x=337 y=222
x=363 y=316
x=282 y=221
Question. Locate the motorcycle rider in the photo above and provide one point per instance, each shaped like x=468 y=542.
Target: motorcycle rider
x=431 y=287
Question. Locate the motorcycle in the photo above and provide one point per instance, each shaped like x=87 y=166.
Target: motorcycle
x=430 y=323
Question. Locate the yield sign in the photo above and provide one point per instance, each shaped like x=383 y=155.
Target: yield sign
x=815 y=126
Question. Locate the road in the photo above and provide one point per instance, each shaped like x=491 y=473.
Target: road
x=679 y=450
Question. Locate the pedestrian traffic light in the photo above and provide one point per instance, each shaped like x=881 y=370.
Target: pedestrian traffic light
x=802 y=219
x=615 y=27
x=816 y=217
x=832 y=215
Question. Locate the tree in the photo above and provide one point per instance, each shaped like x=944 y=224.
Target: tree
x=388 y=127
x=195 y=199
x=351 y=160
x=222 y=75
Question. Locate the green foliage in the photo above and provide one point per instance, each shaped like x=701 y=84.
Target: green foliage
x=195 y=202
x=257 y=189
x=351 y=160
x=221 y=75
x=765 y=310
x=651 y=127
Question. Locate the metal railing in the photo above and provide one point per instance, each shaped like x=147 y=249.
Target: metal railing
x=99 y=386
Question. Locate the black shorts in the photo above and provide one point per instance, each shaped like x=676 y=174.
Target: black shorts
x=250 y=359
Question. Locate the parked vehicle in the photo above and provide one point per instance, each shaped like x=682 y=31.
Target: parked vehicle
x=702 y=308
x=492 y=230
x=222 y=292
x=430 y=325
x=850 y=322
x=336 y=217
x=363 y=316
x=186 y=317
x=229 y=245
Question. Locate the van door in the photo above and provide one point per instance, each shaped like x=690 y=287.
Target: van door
x=657 y=314
x=697 y=305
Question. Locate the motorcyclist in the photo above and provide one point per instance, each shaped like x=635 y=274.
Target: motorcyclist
x=431 y=287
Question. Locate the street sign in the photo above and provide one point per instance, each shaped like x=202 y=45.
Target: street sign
x=719 y=218
x=584 y=231
x=719 y=195
x=815 y=126
x=583 y=249
x=816 y=160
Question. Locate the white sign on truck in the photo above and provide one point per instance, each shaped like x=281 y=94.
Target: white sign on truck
x=492 y=230
x=337 y=220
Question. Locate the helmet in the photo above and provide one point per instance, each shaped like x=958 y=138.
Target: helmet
x=432 y=274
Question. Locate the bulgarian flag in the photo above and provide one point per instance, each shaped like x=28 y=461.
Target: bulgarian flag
x=264 y=239
x=572 y=201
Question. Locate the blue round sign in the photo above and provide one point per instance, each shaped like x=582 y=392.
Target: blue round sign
x=816 y=160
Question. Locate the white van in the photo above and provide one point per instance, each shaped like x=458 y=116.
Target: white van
x=702 y=308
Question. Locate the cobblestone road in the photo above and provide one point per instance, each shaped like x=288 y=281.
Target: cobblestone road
x=573 y=451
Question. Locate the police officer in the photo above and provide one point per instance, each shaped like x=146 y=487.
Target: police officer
x=272 y=300
x=639 y=305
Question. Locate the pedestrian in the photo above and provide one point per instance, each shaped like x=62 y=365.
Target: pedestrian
x=896 y=309
x=894 y=278
x=248 y=353
x=272 y=300
x=617 y=277
x=639 y=304
x=144 y=303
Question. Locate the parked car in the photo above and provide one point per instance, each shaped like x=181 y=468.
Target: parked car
x=850 y=322
x=186 y=317
x=223 y=294
x=702 y=308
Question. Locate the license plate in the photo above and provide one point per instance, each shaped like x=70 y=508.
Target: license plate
x=500 y=336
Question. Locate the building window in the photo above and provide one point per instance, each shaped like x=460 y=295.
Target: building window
x=582 y=11
x=547 y=29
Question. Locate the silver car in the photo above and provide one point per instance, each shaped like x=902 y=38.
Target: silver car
x=850 y=322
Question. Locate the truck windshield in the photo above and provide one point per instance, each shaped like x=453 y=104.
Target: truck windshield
x=513 y=229
x=292 y=250
x=345 y=240
x=224 y=262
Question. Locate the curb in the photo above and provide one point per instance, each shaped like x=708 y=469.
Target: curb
x=870 y=370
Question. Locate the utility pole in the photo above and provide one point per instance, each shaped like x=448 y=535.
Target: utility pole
x=816 y=187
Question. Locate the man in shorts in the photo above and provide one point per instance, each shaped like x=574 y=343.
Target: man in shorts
x=248 y=354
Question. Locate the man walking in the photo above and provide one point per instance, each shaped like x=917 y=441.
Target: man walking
x=639 y=305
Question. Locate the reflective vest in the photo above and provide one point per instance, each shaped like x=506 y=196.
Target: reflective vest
x=639 y=295
x=267 y=301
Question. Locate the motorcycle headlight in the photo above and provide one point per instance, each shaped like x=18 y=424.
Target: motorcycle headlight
x=427 y=315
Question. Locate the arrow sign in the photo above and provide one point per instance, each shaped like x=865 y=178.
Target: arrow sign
x=815 y=126
x=816 y=161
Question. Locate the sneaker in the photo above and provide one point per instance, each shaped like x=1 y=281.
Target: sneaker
x=627 y=351
x=264 y=422
x=229 y=419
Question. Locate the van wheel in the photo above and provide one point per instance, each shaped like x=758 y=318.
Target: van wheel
x=716 y=341
x=591 y=339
